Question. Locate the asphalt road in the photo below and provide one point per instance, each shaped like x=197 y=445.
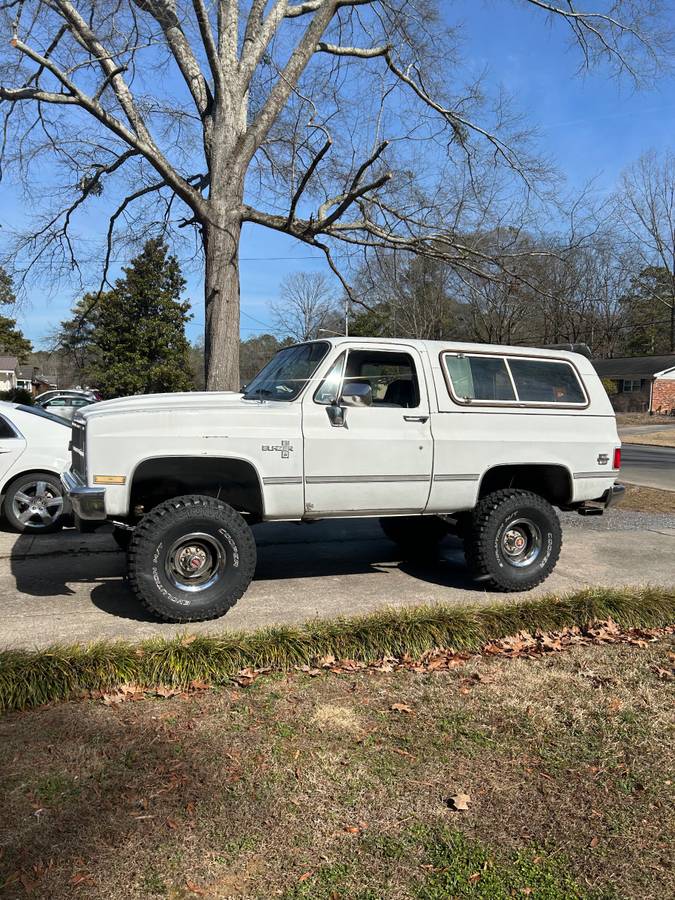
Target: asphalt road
x=648 y=466
x=71 y=587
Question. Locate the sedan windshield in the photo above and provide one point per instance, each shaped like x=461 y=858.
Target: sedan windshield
x=284 y=377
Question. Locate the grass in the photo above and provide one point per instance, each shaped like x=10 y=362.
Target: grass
x=32 y=678
x=655 y=438
x=635 y=419
x=316 y=788
x=644 y=499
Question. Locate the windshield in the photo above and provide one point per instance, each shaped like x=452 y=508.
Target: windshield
x=286 y=375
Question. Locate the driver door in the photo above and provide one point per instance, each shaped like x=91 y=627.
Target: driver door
x=381 y=458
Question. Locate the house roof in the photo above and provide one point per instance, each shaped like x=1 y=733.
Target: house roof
x=633 y=366
x=26 y=371
x=8 y=363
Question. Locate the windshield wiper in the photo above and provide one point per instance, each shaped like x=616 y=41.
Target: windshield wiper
x=258 y=394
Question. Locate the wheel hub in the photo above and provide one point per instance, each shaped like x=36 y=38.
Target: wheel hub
x=195 y=562
x=521 y=543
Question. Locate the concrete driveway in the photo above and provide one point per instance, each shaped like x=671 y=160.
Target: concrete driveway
x=71 y=587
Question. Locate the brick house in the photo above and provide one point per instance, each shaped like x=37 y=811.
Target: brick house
x=641 y=383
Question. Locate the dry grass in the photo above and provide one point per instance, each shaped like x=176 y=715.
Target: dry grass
x=644 y=499
x=630 y=419
x=317 y=788
x=656 y=438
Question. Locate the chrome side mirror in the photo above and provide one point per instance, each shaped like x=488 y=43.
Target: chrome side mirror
x=356 y=394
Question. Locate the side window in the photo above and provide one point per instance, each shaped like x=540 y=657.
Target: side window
x=330 y=387
x=545 y=381
x=6 y=430
x=391 y=376
x=479 y=378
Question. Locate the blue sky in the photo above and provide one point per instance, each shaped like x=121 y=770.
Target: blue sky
x=591 y=125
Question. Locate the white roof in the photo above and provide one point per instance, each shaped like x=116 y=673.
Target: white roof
x=433 y=348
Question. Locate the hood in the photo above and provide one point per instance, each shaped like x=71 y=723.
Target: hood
x=192 y=400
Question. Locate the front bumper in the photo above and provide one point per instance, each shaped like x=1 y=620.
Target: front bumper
x=88 y=502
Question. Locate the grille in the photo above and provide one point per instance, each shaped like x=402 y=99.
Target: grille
x=78 y=459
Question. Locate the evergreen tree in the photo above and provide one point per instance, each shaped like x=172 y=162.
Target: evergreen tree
x=139 y=328
x=12 y=340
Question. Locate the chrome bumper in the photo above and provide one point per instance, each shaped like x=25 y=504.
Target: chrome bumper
x=613 y=494
x=596 y=507
x=87 y=502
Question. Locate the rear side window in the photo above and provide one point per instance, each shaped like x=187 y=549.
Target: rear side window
x=480 y=378
x=544 y=381
x=534 y=382
x=6 y=430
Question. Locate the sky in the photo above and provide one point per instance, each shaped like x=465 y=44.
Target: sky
x=592 y=126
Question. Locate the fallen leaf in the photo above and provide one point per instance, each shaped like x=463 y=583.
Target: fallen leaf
x=195 y=888
x=305 y=876
x=187 y=639
x=401 y=707
x=594 y=843
x=172 y=824
x=459 y=802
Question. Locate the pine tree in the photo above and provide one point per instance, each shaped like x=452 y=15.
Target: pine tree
x=12 y=339
x=139 y=328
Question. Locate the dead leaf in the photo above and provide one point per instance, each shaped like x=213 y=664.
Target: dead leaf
x=187 y=639
x=402 y=708
x=594 y=842
x=195 y=888
x=459 y=802
x=305 y=876
x=172 y=824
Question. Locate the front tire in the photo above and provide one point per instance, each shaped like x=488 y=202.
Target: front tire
x=34 y=503
x=191 y=559
x=513 y=541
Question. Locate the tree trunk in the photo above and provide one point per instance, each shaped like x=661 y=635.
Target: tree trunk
x=221 y=298
x=672 y=325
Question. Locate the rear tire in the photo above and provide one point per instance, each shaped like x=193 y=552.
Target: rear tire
x=191 y=559
x=514 y=540
x=417 y=536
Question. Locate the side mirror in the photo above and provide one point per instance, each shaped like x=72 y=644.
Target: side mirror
x=336 y=415
x=356 y=394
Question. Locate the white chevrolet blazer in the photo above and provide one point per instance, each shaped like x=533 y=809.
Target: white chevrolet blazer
x=432 y=437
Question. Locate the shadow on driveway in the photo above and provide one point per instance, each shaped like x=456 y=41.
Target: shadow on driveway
x=56 y=568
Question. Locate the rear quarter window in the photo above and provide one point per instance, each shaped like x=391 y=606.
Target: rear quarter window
x=545 y=381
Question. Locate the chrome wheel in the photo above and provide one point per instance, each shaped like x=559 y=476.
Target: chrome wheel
x=195 y=562
x=521 y=542
x=38 y=504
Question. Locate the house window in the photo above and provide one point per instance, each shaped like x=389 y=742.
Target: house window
x=631 y=385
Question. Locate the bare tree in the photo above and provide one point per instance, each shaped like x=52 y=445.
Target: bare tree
x=646 y=204
x=308 y=117
x=306 y=308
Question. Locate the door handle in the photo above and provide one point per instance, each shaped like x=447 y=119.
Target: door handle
x=415 y=418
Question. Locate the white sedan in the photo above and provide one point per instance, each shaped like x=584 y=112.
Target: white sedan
x=34 y=450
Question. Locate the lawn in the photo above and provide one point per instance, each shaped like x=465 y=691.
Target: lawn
x=651 y=500
x=328 y=786
x=665 y=438
x=639 y=418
